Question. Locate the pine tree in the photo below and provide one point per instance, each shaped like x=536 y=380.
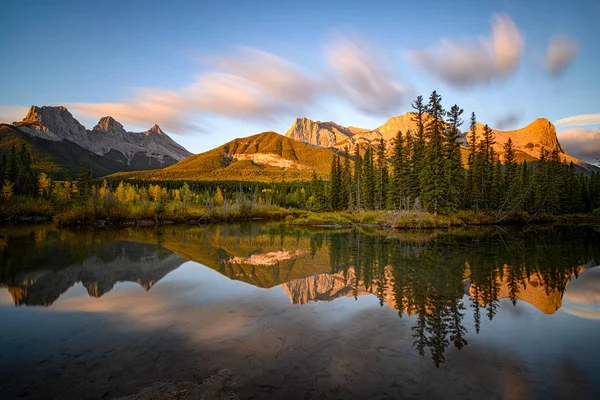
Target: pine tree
x=417 y=159
x=400 y=174
x=433 y=185
x=381 y=177
x=454 y=172
x=525 y=192
x=336 y=184
x=357 y=183
x=346 y=181
x=318 y=193
x=368 y=181
x=483 y=172
x=510 y=193
x=497 y=184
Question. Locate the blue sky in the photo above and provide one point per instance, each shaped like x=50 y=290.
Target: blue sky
x=210 y=71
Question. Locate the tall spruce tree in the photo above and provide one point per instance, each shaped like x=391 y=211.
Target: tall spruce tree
x=454 y=172
x=399 y=188
x=368 y=181
x=357 y=182
x=335 y=185
x=417 y=159
x=382 y=177
x=346 y=193
x=433 y=184
x=470 y=198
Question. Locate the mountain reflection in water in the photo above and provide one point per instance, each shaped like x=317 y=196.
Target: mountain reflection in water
x=434 y=277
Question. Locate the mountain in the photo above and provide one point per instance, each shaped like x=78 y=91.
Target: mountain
x=122 y=150
x=54 y=155
x=266 y=156
x=141 y=150
x=323 y=134
x=528 y=140
x=330 y=286
x=103 y=266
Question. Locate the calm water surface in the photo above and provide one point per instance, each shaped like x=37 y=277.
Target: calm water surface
x=301 y=313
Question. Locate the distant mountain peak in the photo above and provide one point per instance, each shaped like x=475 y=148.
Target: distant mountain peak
x=140 y=150
x=109 y=124
x=155 y=129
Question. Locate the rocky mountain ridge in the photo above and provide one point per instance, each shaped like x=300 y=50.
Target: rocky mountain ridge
x=528 y=141
x=330 y=286
x=138 y=150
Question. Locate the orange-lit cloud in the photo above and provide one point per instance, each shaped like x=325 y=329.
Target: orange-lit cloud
x=144 y=108
x=581 y=143
x=469 y=63
x=10 y=114
x=561 y=52
x=580 y=120
x=253 y=83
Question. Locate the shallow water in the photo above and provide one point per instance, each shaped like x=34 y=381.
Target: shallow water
x=301 y=313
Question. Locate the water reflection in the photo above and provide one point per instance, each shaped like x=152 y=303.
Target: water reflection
x=435 y=278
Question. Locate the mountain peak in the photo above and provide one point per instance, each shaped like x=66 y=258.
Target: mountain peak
x=109 y=124
x=323 y=134
x=54 y=123
x=45 y=114
x=155 y=129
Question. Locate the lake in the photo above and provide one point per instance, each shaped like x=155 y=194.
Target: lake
x=290 y=312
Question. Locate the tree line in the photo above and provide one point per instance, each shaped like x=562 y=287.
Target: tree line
x=426 y=171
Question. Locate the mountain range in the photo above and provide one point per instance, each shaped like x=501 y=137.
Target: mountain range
x=264 y=157
x=310 y=146
x=305 y=271
x=528 y=141
x=57 y=140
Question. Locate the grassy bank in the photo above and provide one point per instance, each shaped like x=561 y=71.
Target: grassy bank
x=112 y=212
x=426 y=220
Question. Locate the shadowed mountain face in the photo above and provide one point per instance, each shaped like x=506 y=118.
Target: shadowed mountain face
x=436 y=278
x=55 y=134
x=40 y=265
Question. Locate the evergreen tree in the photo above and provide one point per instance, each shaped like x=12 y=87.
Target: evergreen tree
x=368 y=181
x=399 y=188
x=84 y=182
x=417 y=159
x=382 y=177
x=357 y=182
x=510 y=184
x=433 y=184
x=346 y=182
x=454 y=172
x=335 y=184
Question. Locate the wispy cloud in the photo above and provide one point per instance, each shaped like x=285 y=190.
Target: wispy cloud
x=363 y=77
x=507 y=121
x=145 y=107
x=9 y=114
x=581 y=143
x=580 y=120
x=561 y=52
x=474 y=62
x=256 y=84
x=251 y=84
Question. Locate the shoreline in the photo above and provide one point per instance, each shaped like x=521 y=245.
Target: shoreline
x=327 y=220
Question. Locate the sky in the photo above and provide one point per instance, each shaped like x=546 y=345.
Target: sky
x=211 y=71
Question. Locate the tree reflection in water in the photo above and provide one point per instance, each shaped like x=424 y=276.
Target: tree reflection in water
x=433 y=277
